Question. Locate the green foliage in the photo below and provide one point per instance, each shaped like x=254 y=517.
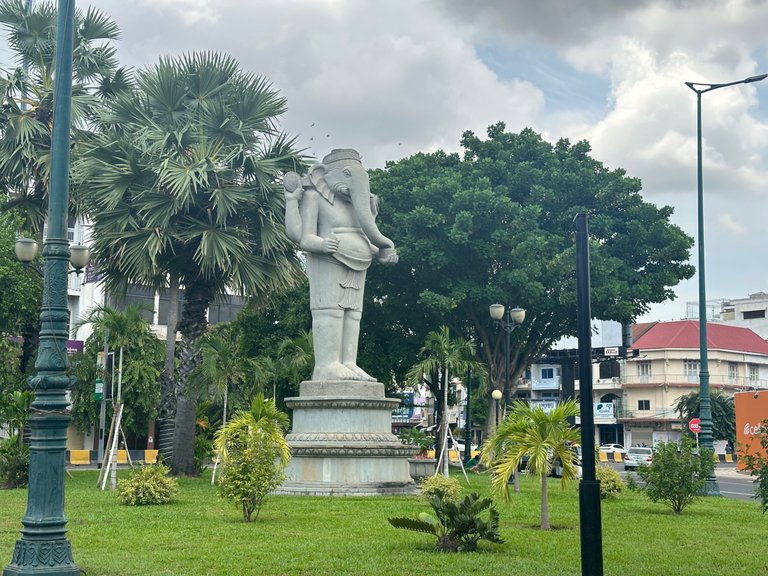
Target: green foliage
x=446 y=488
x=611 y=484
x=415 y=437
x=631 y=482
x=14 y=463
x=495 y=224
x=458 y=526
x=756 y=461
x=723 y=414
x=544 y=437
x=677 y=474
x=254 y=455
x=147 y=485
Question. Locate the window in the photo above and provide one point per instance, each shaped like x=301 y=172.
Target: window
x=753 y=372
x=644 y=369
x=750 y=314
x=691 y=370
x=549 y=373
x=733 y=372
x=643 y=404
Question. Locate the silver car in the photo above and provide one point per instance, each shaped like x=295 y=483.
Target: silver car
x=637 y=456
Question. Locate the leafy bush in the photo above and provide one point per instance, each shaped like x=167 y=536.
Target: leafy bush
x=14 y=463
x=444 y=487
x=611 y=484
x=757 y=464
x=254 y=454
x=147 y=485
x=676 y=477
x=416 y=437
x=457 y=525
x=631 y=482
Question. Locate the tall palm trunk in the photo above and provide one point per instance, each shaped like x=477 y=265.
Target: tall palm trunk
x=544 y=503
x=167 y=401
x=192 y=327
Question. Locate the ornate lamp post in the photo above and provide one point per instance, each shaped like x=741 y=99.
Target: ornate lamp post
x=705 y=408
x=509 y=321
x=43 y=547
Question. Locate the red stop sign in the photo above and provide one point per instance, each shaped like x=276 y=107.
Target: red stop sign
x=695 y=425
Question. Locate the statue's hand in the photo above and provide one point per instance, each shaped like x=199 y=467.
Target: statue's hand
x=330 y=244
x=388 y=256
x=292 y=186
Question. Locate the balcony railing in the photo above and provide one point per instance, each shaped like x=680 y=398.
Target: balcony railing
x=658 y=414
x=714 y=380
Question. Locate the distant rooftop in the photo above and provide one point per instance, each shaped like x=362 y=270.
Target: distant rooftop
x=684 y=334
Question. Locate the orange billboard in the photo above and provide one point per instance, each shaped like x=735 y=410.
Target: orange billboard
x=751 y=410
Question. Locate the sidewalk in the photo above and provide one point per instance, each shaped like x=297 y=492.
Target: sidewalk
x=730 y=471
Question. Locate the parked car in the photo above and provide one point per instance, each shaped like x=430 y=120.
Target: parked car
x=613 y=448
x=638 y=456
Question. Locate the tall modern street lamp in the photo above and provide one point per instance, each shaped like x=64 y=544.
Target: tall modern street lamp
x=44 y=547
x=507 y=320
x=705 y=407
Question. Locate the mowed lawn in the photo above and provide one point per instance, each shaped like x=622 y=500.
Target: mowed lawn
x=200 y=534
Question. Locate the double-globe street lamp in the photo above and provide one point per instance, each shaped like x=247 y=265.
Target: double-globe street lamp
x=705 y=408
x=508 y=320
x=43 y=547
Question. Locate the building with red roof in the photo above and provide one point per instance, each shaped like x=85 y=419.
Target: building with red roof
x=667 y=368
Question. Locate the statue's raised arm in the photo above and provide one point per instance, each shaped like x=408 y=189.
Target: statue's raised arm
x=331 y=214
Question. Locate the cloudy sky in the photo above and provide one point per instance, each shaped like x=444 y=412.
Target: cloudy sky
x=395 y=77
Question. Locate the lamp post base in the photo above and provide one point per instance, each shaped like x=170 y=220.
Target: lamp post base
x=50 y=557
x=710 y=487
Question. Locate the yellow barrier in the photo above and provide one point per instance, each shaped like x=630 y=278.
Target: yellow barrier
x=79 y=457
x=150 y=456
x=618 y=457
x=603 y=456
x=122 y=457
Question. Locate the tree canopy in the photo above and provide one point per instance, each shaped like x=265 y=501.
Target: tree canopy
x=495 y=224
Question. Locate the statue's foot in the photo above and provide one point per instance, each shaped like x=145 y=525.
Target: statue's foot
x=361 y=374
x=334 y=371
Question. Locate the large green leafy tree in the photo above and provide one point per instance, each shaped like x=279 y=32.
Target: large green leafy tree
x=182 y=183
x=496 y=225
x=26 y=116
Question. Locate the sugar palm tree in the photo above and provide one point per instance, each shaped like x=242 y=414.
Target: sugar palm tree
x=542 y=436
x=26 y=117
x=182 y=182
x=444 y=356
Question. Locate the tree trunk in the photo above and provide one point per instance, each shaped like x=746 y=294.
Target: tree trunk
x=544 y=503
x=192 y=326
x=167 y=407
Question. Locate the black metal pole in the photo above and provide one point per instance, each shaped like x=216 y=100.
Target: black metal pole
x=590 y=520
x=468 y=420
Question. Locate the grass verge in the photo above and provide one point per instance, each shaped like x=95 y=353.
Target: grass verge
x=200 y=534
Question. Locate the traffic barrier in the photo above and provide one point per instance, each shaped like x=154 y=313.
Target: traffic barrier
x=603 y=457
x=150 y=456
x=618 y=457
x=79 y=457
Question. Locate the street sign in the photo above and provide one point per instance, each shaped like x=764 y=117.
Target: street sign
x=611 y=352
x=98 y=389
x=695 y=425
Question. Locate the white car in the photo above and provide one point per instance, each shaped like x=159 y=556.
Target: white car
x=638 y=456
x=613 y=449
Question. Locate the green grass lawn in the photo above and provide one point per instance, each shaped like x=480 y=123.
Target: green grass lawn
x=200 y=534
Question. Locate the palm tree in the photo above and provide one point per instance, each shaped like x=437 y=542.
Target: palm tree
x=182 y=182
x=444 y=356
x=27 y=90
x=544 y=437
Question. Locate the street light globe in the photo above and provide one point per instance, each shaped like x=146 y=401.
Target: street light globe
x=518 y=315
x=496 y=394
x=496 y=311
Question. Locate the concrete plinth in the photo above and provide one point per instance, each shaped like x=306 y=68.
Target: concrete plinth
x=342 y=442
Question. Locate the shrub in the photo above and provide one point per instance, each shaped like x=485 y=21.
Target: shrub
x=631 y=482
x=416 y=437
x=14 y=463
x=457 y=525
x=254 y=454
x=147 y=485
x=676 y=477
x=445 y=487
x=611 y=484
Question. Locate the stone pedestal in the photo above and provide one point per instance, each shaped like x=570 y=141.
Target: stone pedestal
x=342 y=442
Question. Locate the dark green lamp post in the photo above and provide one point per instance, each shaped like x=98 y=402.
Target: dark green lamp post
x=705 y=407
x=44 y=547
x=507 y=320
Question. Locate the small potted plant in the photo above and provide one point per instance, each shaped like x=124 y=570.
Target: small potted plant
x=421 y=464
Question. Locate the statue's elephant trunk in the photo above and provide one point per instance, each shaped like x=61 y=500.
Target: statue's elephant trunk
x=361 y=202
